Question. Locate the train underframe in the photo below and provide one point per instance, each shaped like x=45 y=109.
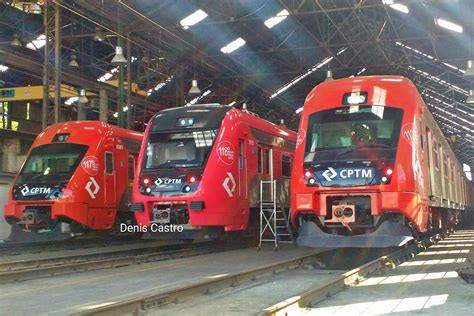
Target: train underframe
x=349 y=222
x=33 y=222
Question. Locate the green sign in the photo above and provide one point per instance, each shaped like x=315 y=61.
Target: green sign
x=10 y=93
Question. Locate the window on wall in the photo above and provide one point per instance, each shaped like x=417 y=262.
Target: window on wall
x=109 y=163
x=435 y=154
x=259 y=160
x=445 y=166
x=267 y=161
x=285 y=166
x=5 y=121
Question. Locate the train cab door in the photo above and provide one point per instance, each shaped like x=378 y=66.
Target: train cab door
x=267 y=173
x=242 y=178
x=109 y=177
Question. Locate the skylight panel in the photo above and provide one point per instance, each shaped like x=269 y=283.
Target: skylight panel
x=396 y=6
x=193 y=18
x=37 y=43
x=271 y=22
x=3 y=68
x=449 y=25
x=232 y=46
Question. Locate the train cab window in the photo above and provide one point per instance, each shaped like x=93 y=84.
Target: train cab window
x=259 y=160
x=109 y=163
x=286 y=166
x=267 y=161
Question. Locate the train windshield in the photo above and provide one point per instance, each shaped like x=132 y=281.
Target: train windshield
x=353 y=132
x=52 y=163
x=179 y=150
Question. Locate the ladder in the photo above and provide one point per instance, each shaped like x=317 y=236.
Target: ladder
x=274 y=224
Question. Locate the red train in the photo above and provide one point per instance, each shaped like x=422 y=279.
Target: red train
x=77 y=175
x=371 y=167
x=200 y=169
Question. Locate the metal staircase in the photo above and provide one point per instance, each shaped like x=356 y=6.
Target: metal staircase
x=274 y=223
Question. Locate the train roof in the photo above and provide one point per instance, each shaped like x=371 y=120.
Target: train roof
x=82 y=131
x=211 y=116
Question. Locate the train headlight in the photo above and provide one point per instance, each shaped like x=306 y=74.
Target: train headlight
x=146 y=182
x=308 y=174
x=388 y=171
x=148 y=190
x=384 y=179
x=187 y=188
x=312 y=181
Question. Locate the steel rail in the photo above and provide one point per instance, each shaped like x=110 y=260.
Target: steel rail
x=323 y=291
x=135 y=305
x=33 y=269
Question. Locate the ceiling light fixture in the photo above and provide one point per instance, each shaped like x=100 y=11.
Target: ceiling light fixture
x=37 y=43
x=328 y=76
x=193 y=19
x=194 y=90
x=15 y=42
x=119 y=58
x=34 y=8
x=99 y=35
x=73 y=62
x=271 y=22
x=82 y=96
x=232 y=46
x=470 y=98
x=3 y=68
x=470 y=69
x=396 y=6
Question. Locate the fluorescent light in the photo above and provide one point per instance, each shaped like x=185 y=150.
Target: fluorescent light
x=449 y=25
x=125 y=108
x=271 y=22
x=3 y=68
x=396 y=6
x=37 y=43
x=307 y=73
x=232 y=103
x=116 y=114
x=229 y=48
x=196 y=99
x=193 y=18
x=299 y=110
x=207 y=92
x=439 y=80
x=160 y=85
x=361 y=71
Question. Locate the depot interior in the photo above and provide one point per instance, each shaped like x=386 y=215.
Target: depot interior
x=123 y=61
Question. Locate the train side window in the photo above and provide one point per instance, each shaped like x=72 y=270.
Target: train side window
x=285 y=166
x=259 y=160
x=109 y=163
x=267 y=161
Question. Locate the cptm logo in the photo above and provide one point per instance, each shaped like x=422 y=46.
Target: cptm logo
x=226 y=152
x=35 y=191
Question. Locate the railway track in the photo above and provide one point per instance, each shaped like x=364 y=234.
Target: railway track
x=214 y=292
x=20 y=248
x=58 y=264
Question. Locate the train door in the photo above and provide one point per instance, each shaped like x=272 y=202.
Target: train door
x=109 y=177
x=243 y=181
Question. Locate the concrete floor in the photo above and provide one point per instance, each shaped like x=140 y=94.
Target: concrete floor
x=75 y=292
x=426 y=285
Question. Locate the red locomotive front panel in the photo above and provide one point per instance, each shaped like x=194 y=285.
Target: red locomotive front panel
x=76 y=177
x=357 y=170
x=198 y=169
